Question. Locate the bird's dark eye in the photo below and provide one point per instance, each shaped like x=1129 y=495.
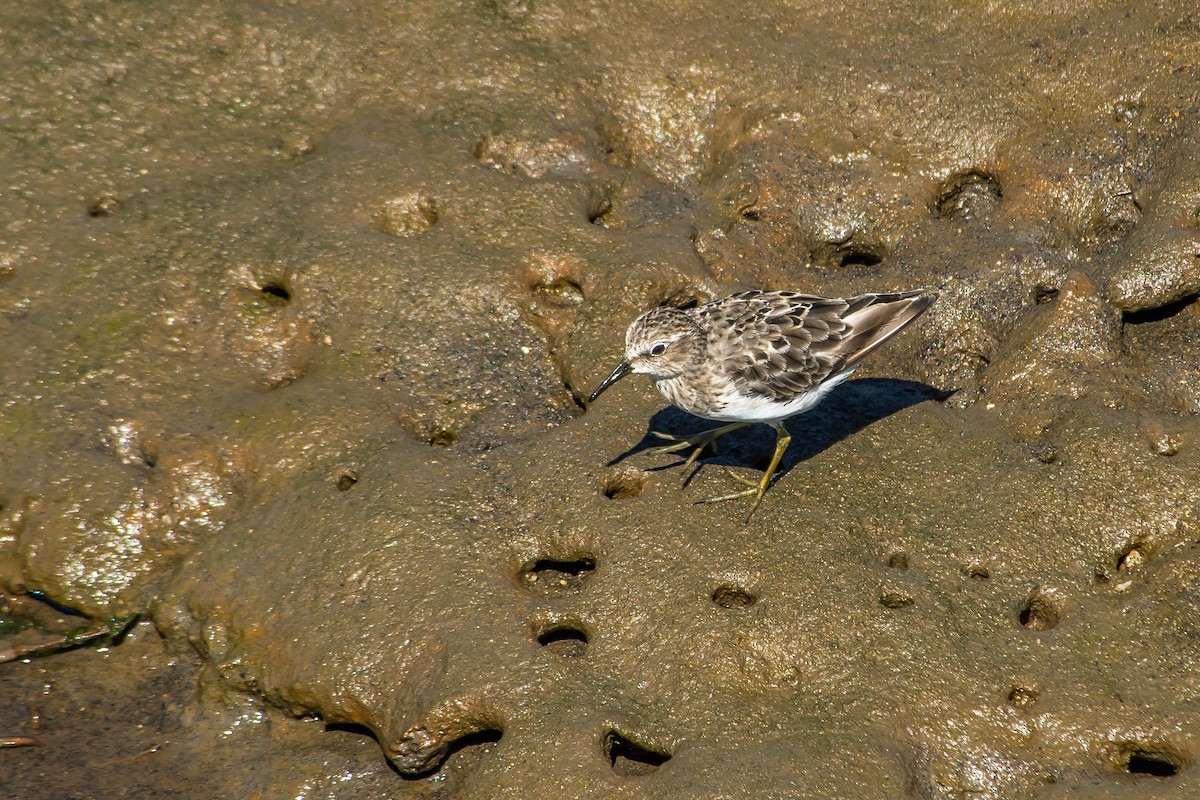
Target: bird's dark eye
x=658 y=349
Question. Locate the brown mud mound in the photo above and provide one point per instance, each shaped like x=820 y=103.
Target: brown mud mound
x=298 y=306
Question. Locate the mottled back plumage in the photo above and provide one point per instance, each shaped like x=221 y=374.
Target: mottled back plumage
x=782 y=344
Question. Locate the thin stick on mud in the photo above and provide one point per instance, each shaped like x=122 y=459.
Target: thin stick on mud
x=113 y=632
x=19 y=741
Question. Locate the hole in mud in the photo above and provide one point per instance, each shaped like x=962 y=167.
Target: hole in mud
x=897 y=560
x=495 y=151
x=1152 y=762
x=105 y=206
x=550 y=576
x=276 y=293
x=566 y=639
x=1043 y=294
x=849 y=252
x=1134 y=557
x=1127 y=109
x=1022 y=697
x=579 y=404
x=622 y=484
x=856 y=257
x=683 y=299
x=736 y=597
x=1115 y=218
x=630 y=759
x=347 y=479
x=599 y=205
x=562 y=292
x=1042 y=611
x=1161 y=313
x=442 y=437
x=968 y=195
x=976 y=570
x=891 y=597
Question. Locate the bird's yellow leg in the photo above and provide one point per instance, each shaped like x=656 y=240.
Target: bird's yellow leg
x=697 y=442
x=759 y=488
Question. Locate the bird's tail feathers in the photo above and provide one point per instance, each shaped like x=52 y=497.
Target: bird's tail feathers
x=880 y=318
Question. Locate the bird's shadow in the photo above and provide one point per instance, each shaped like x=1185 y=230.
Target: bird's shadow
x=848 y=409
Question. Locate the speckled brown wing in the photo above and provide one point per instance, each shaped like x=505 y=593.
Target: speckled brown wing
x=783 y=344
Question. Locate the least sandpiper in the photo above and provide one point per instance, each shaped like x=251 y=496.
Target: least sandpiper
x=758 y=357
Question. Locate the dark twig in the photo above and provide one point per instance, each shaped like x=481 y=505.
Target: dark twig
x=112 y=633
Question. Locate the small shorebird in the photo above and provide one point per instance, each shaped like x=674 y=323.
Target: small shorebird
x=758 y=357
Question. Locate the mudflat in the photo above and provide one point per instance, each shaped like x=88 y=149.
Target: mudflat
x=300 y=495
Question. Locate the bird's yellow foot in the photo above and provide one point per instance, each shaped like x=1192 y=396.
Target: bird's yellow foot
x=698 y=443
x=757 y=489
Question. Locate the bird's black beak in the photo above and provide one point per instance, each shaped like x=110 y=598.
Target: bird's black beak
x=623 y=369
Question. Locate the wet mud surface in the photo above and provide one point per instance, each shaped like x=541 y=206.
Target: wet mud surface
x=299 y=497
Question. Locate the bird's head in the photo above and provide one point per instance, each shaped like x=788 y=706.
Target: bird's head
x=663 y=343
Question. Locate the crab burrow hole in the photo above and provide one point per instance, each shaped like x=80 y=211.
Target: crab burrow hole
x=1022 y=697
x=976 y=569
x=567 y=638
x=105 y=206
x=555 y=278
x=554 y=576
x=276 y=293
x=851 y=254
x=733 y=596
x=1149 y=759
x=896 y=559
x=622 y=483
x=1042 y=610
x=346 y=479
x=1136 y=556
x=968 y=195
x=895 y=597
x=599 y=205
x=628 y=758
x=466 y=751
